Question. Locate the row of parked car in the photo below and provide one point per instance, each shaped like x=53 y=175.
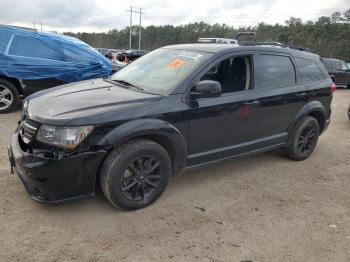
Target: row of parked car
x=33 y=60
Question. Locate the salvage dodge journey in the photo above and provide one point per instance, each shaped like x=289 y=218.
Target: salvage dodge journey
x=174 y=109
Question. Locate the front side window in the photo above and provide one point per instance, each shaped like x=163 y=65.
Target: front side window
x=234 y=74
x=309 y=71
x=161 y=70
x=341 y=65
x=31 y=47
x=273 y=71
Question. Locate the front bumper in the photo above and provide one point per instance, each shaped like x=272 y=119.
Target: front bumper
x=54 y=180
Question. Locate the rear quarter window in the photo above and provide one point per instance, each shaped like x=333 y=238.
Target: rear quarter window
x=35 y=48
x=273 y=71
x=309 y=70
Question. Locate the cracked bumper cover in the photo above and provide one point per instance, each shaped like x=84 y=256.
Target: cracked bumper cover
x=54 y=180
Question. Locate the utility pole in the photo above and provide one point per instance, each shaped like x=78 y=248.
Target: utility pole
x=130 y=27
x=41 y=26
x=34 y=24
x=132 y=11
x=140 y=30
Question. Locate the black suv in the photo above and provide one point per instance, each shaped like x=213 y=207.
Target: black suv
x=338 y=71
x=174 y=109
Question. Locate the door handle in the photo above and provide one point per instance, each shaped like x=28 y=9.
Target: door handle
x=252 y=103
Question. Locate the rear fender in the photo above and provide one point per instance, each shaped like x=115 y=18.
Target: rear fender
x=308 y=109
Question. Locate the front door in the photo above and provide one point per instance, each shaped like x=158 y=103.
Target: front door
x=224 y=126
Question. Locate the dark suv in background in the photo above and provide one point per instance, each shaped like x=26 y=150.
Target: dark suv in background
x=177 y=108
x=338 y=71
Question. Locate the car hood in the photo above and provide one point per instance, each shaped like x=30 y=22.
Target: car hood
x=64 y=103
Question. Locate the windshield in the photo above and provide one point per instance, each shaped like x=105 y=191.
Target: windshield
x=161 y=70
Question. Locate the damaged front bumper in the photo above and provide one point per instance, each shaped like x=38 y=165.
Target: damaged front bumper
x=53 y=180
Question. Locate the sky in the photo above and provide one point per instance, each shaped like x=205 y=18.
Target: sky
x=104 y=15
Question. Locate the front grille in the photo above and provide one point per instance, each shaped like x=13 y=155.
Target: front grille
x=28 y=129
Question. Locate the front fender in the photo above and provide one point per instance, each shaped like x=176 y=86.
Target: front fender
x=149 y=128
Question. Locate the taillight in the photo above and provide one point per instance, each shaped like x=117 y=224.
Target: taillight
x=333 y=88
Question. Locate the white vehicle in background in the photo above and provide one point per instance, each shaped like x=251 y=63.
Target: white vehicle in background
x=215 y=40
x=219 y=40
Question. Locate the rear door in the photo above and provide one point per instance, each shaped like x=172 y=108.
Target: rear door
x=279 y=95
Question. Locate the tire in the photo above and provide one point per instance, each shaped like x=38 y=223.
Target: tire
x=127 y=179
x=304 y=139
x=9 y=97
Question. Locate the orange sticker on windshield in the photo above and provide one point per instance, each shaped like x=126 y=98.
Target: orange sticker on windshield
x=176 y=64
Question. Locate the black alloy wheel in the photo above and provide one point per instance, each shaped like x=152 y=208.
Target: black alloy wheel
x=307 y=139
x=135 y=174
x=304 y=139
x=141 y=178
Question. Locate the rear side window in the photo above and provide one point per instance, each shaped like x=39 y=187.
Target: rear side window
x=273 y=71
x=309 y=70
x=32 y=47
x=5 y=36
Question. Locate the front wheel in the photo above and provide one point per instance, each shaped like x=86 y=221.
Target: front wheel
x=304 y=139
x=135 y=174
x=9 y=97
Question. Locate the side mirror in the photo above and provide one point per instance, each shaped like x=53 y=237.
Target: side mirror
x=206 y=89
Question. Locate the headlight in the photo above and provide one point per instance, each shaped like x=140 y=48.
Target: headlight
x=65 y=137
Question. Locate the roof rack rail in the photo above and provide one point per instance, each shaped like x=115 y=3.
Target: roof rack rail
x=248 y=43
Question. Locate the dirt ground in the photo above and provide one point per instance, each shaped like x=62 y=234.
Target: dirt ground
x=262 y=208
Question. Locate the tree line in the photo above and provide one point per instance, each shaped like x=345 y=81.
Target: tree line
x=327 y=36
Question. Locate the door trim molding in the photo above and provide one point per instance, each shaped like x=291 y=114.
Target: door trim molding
x=227 y=148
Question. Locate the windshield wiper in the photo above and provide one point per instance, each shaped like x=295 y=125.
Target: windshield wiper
x=127 y=84
x=123 y=82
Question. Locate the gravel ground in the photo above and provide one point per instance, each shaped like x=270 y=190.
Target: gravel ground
x=262 y=208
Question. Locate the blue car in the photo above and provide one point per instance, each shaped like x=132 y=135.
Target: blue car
x=32 y=60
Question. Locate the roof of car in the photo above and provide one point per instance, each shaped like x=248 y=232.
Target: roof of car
x=331 y=59
x=18 y=27
x=224 y=48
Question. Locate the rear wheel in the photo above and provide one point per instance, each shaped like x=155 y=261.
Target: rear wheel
x=9 y=97
x=136 y=174
x=304 y=139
